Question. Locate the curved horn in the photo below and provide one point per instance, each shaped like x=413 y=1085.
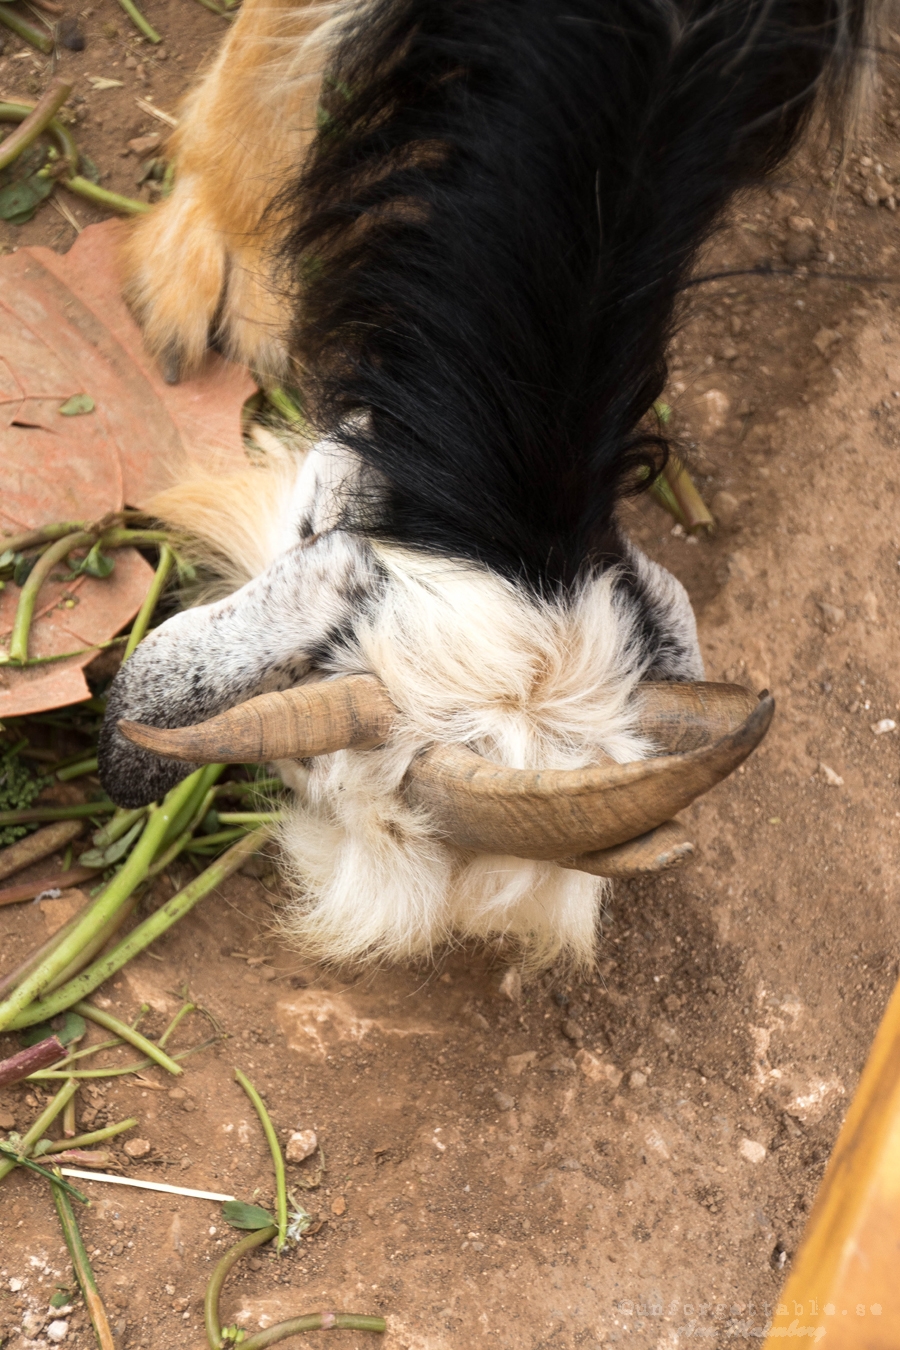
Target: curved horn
x=558 y=813
x=311 y=719
x=660 y=850
x=682 y=717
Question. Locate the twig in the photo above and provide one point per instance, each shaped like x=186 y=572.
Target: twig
x=277 y=1159
x=127 y=1033
x=26 y=1062
x=322 y=1321
x=48 y=1074
x=182 y=1012
x=145 y=613
x=146 y=106
x=145 y=1185
x=108 y=903
x=31 y=815
x=83 y=1272
x=46 y=108
x=77 y=770
x=16 y=24
x=219 y=1276
x=38 y=845
x=139 y=21
x=18 y=642
x=85 y=1140
x=69 y=1124
x=47 y=1116
x=141 y=937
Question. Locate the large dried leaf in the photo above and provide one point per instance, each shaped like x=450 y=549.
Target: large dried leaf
x=65 y=332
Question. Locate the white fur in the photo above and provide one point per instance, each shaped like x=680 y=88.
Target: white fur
x=468 y=658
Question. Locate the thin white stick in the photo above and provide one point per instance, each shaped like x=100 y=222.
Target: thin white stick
x=144 y=1185
x=146 y=106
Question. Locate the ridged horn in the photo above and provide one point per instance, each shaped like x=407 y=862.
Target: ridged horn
x=311 y=719
x=560 y=813
x=659 y=850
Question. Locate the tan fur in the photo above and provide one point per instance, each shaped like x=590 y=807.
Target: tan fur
x=244 y=131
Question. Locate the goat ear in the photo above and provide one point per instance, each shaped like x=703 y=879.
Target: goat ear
x=264 y=637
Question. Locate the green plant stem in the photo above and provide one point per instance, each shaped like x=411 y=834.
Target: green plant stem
x=234 y=789
x=108 y=903
x=170 y=1029
x=283 y=404
x=127 y=1033
x=321 y=1321
x=18 y=642
x=249 y=817
x=79 y=770
x=46 y=1074
x=83 y=1272
x=24 y=30
x=83 y=187
x=205 y=841
x=693 y=508
x=77 y=811
x=46 y=108
x=96 y=944
x=141 y=937
x=18 y=1161
x=31 y=538
x=17 y=112
x=83 y=1054
x=139 y=21
x=220 y=1274
x=145 y=613
x=277 y=1159
x=85 y=1140
x=120 y=824
x=47 y=1116
x=203 y=781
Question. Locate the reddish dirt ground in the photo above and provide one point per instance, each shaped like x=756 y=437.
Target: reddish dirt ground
x=487 y=1183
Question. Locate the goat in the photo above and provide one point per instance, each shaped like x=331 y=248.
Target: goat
x=462 y=228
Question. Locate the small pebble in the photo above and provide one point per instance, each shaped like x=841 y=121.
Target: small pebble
x=7 y=1120
x=144 y=145
x=636 y=1079
x=831 y=778
x=57 y=1331
x=338 y=1206
x=886 y=724
x=572 y=1030
x=751 y=1150
x=177 y=1094
x=504 y=1101
x=138 y=1148
x=70 y=35
x=301 y=1144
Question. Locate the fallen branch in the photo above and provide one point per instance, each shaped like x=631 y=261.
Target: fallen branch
x=26 y=1062
x=36 y=846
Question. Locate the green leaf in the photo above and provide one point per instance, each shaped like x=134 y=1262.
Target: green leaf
x=19 y=201
x=100 y=857
x=251 y=1217
x=24 y=562
x=96 y=564
x=77 y=404
x=61 y=1298
x=31 y=1035
x=7 y=558
x=89 y=169
x=72 y=1029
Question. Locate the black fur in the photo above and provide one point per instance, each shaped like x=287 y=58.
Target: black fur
x=501 y=207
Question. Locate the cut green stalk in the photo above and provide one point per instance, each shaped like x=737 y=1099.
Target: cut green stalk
x=9 y=982
x=145 y=613
x=18 y=642
x=78 y=770
x=121 y=823
x=83 y=1054
x=31 y=538
x=17 y=112
x=127 y=1033
x=85 y=1140
x=208 y=841
x=203 y=780
x=162 y=861
x=49 y=1074
x=107 y=904
x=170 y=1029
x=283 y=404
x=693 y=508
x=220 y=1274
x=25 y=31
x=277 y=1159
x=83 y=187
x=249 y=817
x=46 y=108
x=77 y=811
x=662 y=491
x=105 y=857
x=140 y=937
x=321 y=1321
x=83 y=1272
x=139 y=21
x=69 y=1127
x=47 y=1116
x=18 y=1160
x=93 y=946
